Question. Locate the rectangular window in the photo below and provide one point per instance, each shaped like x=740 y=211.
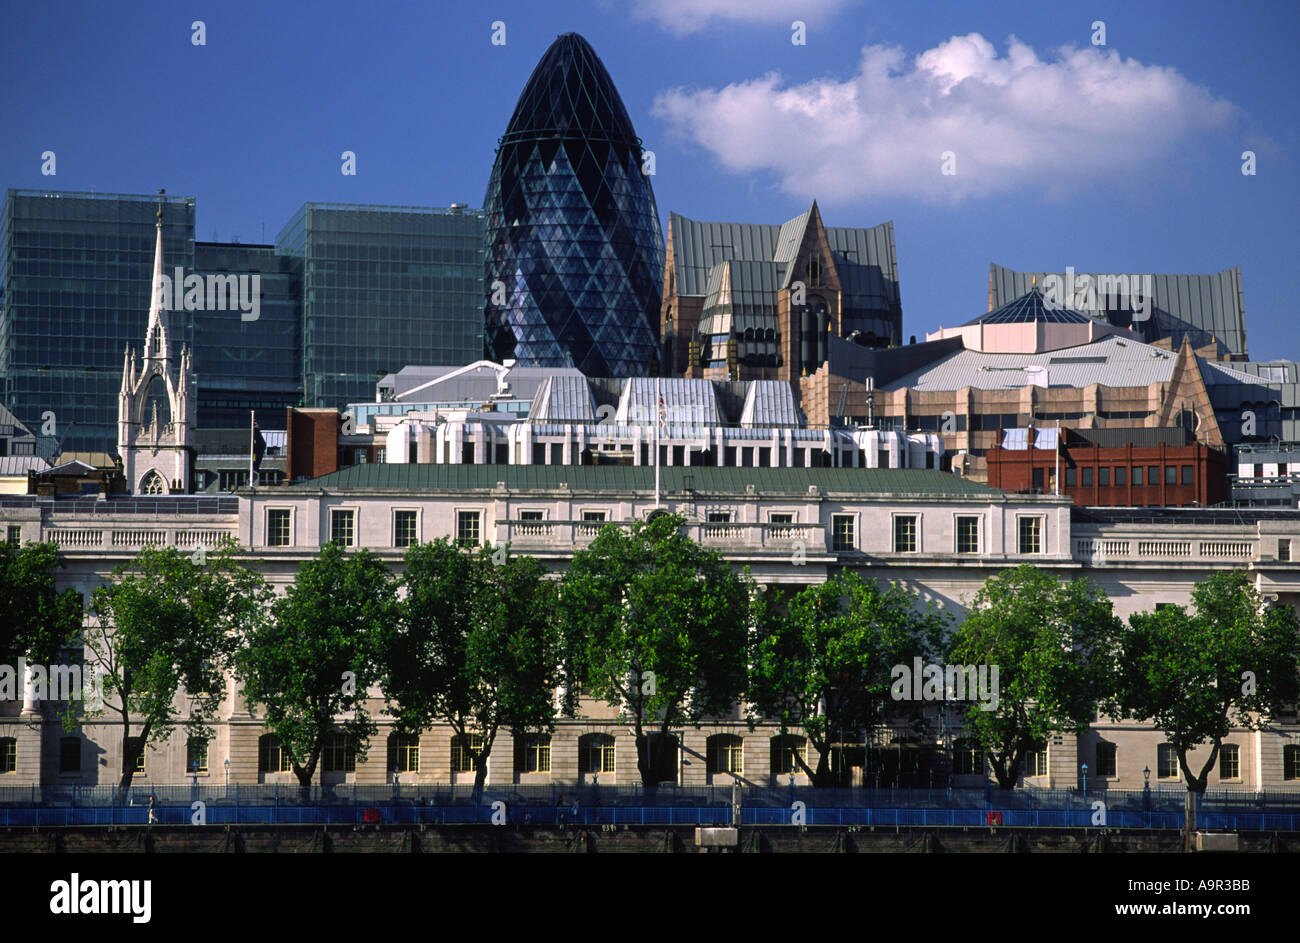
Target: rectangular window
x=719 y=517
x=1036 y=479
x=1153 y=474
x=196 y=756
x=1171 y=474
x=1284 y=550
x=1137 y=474
x=593 y=517
x=1103 y=477
x=404 y=753
x=277 y=527
x=968 y=535
x=1071 y=476
x=1031 y=535
x=70 y=755
x=780 y=519
x=1166 y=761
x=1121 y=475
x=1105 y=764
x=1230 y=761
x=404 y=533
x=467 y=532
x=905 y=534
x=461 y=760
x=967 y=758
x=1035 y=762
x=15 y=534
x=133 y=744
x=341 y=527
x=533 y=516
x=842 y=532
x=8 y=755
x=1085 y=477
x=338 y=756
x=1188 y=476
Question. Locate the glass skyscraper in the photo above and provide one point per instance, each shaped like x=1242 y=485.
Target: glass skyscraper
x=575 y=252
x=383 y=287
x=75 y=277
x=242 y=365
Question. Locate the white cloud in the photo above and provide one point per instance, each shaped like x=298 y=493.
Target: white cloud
x=1014 y=123
x=691 y=16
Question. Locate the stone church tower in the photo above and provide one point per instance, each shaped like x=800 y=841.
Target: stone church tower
x=156 y=450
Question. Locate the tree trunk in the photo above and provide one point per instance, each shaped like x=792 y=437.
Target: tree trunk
x=1189 y=820
x=643 y=760
x=480 y=773
x=823 y=777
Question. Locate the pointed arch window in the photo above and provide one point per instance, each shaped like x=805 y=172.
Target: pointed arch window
x=152 y=483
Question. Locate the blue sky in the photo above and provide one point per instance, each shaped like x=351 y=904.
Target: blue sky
x=1117 y=158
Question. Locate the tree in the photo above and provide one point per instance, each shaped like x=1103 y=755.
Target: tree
x=36 y=620
x=166 y=629
x=477 y=646
x=311 y=662
x=1050 y=642
x=826 y=666
x=658 y=625
x=1197 y=676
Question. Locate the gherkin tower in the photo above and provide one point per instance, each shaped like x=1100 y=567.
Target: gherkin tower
x=574 y=251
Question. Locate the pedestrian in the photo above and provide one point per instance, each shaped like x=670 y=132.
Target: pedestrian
x=559 y=810
x=576 y=804
x=151 y=815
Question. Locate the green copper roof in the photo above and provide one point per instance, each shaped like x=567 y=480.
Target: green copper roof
x=385 y=477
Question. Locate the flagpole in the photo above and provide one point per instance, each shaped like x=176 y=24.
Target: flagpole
x=1058 y=457
x=252 y=446
x=658 y=420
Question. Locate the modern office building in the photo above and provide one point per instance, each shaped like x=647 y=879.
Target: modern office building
x=246 y=361
x=747 y=301
x=574 y=257
x=75 y=273
x=382 y=286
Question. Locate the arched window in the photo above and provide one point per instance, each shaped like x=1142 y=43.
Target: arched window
x=533 y=753
x=785 y=748
x=726 y=754
x=153 y=483
x=461 y=760
x=1291 y=761
x=596 y=753
x=271 y=757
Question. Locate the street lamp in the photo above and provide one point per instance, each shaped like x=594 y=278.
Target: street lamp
x=1084 y=767
x=227 y=765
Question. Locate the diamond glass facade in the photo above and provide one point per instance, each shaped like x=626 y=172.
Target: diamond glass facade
x=75 y=277
x=573 y=235
x=383 y=287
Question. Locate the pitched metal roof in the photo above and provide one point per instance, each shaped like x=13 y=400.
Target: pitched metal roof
x=1199 y=306
x=709 y=479
x=698 y=247
x=13 y=465
x=563 y=399
x=1111 y=361
x=770 y=403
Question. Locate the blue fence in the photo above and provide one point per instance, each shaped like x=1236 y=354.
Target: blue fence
x=593 y=805
x=635 y=815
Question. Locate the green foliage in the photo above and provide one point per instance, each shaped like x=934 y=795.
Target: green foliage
x=658 y=624
x=477 y=645
x=1196 y=676
x=36 y=620
x=167 y=628
x=313 y=659
x=825 y=665
x=1051 y=644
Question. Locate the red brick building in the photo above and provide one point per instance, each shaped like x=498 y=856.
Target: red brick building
x=1093 y=474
